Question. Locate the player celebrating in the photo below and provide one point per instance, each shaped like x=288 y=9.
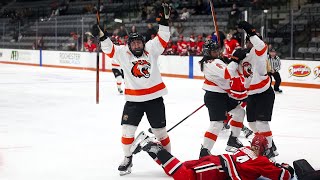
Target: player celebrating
x=221 y=83
x=118 y=74
x=261 y=95
x=144 y=87
x=247 y=163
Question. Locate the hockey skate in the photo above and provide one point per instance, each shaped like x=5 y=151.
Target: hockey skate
x=120 y=91
x=274 y=148
x=204 y=152
x=233 y=144
x=270 y=154
x=247 y=132
x=125 y=166
x=136 y=148
x=225 y=126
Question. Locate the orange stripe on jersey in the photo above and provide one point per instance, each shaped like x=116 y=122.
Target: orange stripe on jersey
x=236 y=124
x=163 y=42
x=262 y=51
x=141 y=92
x=112 y=52
x=206 y=81
x=126 y=140
x=211 y=136
x=227 y=74
x=165 y=142
x=266 y=134
x=260 y=84
x=117 y=65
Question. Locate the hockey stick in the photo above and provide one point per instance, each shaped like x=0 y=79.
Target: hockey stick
x=97 y=50
x=150 y=130
x=214 y=18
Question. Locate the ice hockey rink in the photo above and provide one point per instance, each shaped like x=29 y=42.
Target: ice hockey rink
x=52 y=129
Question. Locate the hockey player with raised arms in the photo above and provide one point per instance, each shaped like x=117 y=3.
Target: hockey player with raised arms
x=248 y=163
x=224 y=92
x=144 y=87
x=260 y=93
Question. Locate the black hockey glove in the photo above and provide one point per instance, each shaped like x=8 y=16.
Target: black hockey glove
x=286 y=167
x=238 y=55
x=250 y=30
x=97 y=32
x=164 y=15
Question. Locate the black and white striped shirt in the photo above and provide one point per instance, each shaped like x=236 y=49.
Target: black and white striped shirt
x=274 y=63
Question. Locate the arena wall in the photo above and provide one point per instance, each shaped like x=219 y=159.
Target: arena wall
x=296 y=73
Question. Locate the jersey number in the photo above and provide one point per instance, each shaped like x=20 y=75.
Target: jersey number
x=242 y=159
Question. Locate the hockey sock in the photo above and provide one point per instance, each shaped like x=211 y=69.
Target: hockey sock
x=264 y=129
x=119 y=81
x=253 y=127
x=211 y=135
x=228 y=118
x=170 y=163
x=127 y=139
x=162 y=135
x=236 y=122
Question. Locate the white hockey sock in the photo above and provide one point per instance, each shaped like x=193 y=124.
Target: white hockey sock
x=128 y=132
x=162 y=135
x=236 y=122
x=253 y=126
x=119 y=81
x=210 y=137
x=264 y=129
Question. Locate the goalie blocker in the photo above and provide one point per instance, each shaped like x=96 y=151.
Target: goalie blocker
x=305 y=171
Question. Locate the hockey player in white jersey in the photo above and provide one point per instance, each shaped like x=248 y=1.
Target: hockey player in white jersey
x=144 y=87
x=118 y=74
x=224 y=92
x=261 y=95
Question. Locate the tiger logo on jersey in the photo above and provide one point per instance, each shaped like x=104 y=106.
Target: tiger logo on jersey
x=141 y=69
x=247 y=69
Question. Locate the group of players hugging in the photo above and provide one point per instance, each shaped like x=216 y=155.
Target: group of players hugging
x=234 y=88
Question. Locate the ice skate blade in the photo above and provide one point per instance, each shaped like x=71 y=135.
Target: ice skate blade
x=231 y=149
x=136 y=148
x=123 y=173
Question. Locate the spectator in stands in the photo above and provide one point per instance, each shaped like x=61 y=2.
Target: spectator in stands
x=200 y=7
x=89 y=46
x=234 y=17
x=185 y=14
x=122 y=32
x=144 y=13
x=182 y=46
x=237 y=35
x=101 y=7
x=171 y=48
x=273 y=67
x=230 y=44
x=133 y=29
x=221 y=37
x=174 y=15
x=200 y=43
x=150 y=31
x=38 y=44
x=192 y=46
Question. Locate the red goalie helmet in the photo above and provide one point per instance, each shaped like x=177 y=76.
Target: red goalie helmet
x=259 y=143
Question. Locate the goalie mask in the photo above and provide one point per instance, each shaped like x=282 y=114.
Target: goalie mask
x=210 y=46
x=135 y=47
x=259 y=144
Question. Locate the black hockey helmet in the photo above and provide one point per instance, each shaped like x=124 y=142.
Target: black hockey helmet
x=136 y=36
x=210 y=45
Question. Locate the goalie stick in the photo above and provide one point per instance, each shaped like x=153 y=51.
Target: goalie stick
x=150 y=130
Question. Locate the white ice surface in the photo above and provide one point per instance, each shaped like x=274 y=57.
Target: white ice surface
x=52 y=129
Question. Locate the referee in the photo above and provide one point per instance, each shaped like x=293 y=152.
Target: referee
x=274 y=66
